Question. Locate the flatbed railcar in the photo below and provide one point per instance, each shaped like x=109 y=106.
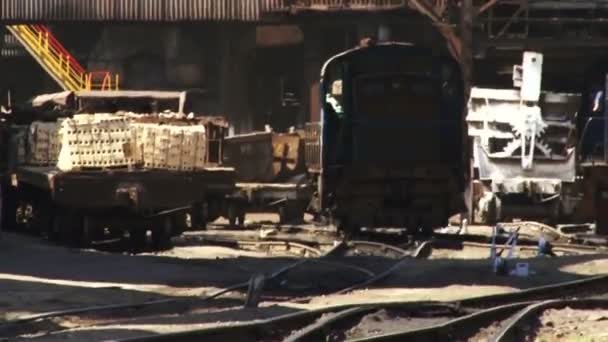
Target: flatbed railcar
x=84 y=205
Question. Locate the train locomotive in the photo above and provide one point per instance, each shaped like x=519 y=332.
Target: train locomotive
x=389 y=150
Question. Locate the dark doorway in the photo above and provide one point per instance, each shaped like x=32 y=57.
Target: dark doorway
x=277 y=83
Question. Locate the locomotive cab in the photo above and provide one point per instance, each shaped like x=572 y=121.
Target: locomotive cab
x=391 y=138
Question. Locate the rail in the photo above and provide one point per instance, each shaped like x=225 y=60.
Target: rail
x=58 y=62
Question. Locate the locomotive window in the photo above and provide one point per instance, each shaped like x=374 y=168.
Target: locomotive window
x=333 y=96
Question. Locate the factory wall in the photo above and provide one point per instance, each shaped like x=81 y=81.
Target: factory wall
x=252 y=74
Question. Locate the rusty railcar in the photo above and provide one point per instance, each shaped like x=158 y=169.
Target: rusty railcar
x=270 y=175
x=391 y=139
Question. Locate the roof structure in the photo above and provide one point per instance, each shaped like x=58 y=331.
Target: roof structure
x=174 y=10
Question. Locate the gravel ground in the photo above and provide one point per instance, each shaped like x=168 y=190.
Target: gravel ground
x=36 y=277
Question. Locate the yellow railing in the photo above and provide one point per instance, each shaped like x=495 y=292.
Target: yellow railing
x=58 y=62
x=107 y=81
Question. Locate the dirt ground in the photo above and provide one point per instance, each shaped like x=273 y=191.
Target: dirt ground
x=573 y=325
x=389 y=321
x=38 y=277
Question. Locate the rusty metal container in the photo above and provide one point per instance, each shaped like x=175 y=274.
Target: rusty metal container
x=265 y=156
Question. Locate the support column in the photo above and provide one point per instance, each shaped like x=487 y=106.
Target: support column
x=313 y=61
x=236 y=46
x=466 y=61
x=224 y=58
x=466 y=38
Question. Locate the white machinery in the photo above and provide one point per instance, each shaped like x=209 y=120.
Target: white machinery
x=524 y=147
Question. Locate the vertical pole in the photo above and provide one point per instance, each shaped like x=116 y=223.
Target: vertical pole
x=605 y=119
x=225 y=73
x=466 y=37
x=313 y=55
x=466 y=62
x=39 y=42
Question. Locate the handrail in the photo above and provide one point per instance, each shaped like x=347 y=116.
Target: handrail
x=579 y=147
x=66 y=70
x=58 y=46
x=54 y=60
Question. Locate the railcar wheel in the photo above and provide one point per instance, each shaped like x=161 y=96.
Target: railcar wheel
x=347 y=228
x=291 y=213
x=298 y=212
x=138 y=238
x=283 y=214
x=231 y=217
x=181 y=223
x=73 y=229
x=213 y=209
x=84 y=233
x=77 y=230
x=161 y=235
x=42 y=221
x=198 y=216
x=234 y=214
x=62 y=227
x=53 y=229
x=425 y=232
x=8 y=220
x=241 y=217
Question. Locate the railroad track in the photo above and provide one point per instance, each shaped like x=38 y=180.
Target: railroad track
x=457 y=317
x=311 y=242
x=20 y=326
x=428 y=320
x=457 y=320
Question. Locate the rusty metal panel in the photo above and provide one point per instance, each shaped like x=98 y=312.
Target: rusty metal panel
x=265 y=156
x=251 y=156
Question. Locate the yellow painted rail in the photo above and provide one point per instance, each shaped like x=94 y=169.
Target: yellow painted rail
x=59 y=63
